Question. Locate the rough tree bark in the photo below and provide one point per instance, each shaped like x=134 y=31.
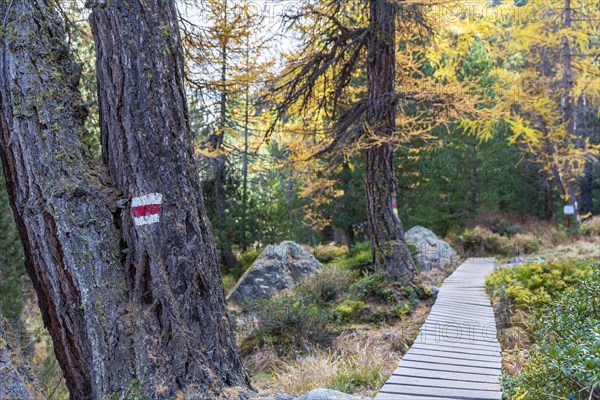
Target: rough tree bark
x=16 y=379
x=62 y=202
x=390 y=252
x=183 y=339
x=131 y=309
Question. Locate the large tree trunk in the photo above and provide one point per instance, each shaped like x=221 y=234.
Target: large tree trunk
x=133 y=310
x=63 y=203
x=16 y=379
x=390 y=252
x=183 y=338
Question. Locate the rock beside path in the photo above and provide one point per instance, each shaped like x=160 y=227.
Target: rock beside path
x=433 y=252
x=278 y=267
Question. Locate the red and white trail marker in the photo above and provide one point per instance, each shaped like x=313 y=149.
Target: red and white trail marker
x=146 y=209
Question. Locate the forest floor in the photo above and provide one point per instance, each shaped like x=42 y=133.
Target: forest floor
x=368 y=330
x=348 y=329
x=364 y=338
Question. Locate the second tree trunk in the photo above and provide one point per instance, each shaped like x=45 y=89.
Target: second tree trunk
x=391 y=255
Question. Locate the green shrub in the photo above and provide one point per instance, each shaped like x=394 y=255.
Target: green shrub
x=348 y=311
x=413 y=295
x=328 y=285
x=289 y=322
x=328 y=253
x=535 y=285
x=359 y=248
x=370 y=287
x=566 y=361
x=401 y=309
x=359 y=262
x=358 y=258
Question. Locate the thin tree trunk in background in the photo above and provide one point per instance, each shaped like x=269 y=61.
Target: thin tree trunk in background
x=245 y=161
x=183 y=339
x=63 y=203
x=548 y=209
x=227 y=257
x=474 y=187
x=587 y=187
x=219 y=161
x=390 y=252
x=569 y=114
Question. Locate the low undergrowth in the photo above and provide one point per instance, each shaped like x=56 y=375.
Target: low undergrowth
x=548 y=317
x=328 y=330
x=344 y=328
x=506 y=236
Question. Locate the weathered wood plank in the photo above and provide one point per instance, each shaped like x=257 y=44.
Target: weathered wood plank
x=447 y=353
x=475 y=394
x=456 y=354
x=445 y=383
x=451 y=375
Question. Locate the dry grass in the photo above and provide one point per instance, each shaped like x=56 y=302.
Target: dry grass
x=591 y=226
x=584 y=248
x=359 y=360
x=507 y=236
x=515 y=334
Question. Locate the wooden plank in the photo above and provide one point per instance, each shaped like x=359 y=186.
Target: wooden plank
x=396 y=396
x=464 y=312
x=454 y=361
x=447 y=383
x=441 y=367
x=455 y=349
x=456 y=354
x=476 y=394
x=440 y=319
x=467 y=354
x=475 y=347
x=453 y=375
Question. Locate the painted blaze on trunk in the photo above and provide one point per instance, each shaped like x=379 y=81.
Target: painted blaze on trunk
x=183 y=339
x=391 y=255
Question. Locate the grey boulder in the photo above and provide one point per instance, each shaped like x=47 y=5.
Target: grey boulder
x=328 y=394
x=433 y=252
x=278 y=267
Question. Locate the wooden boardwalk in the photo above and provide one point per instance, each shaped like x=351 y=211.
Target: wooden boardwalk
x=457 y=354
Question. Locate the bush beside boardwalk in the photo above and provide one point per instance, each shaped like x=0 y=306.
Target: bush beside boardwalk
x=549 y=327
